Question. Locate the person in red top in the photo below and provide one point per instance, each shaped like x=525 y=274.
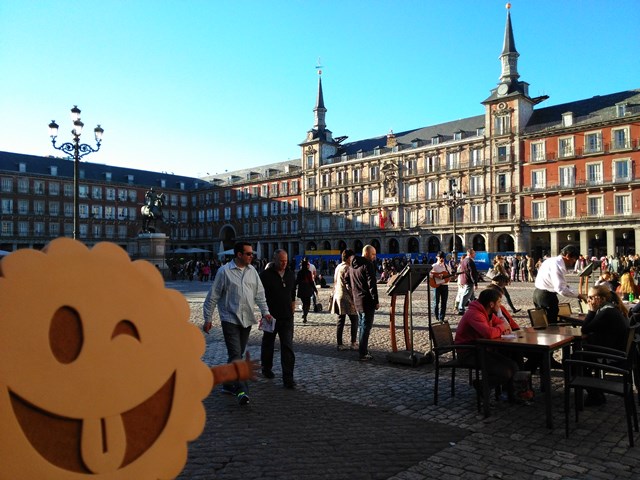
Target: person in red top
x=481 y=321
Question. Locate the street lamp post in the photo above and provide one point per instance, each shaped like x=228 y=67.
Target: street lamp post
x=78 y=150
x=455 y=198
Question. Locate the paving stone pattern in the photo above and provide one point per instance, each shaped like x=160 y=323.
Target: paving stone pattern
x=353 y=420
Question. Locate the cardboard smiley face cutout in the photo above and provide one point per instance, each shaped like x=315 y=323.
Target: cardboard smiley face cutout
x=100 y=370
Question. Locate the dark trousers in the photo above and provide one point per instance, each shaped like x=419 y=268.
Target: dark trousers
x=236 y=338
x=440 y=295
x=284 y=330
x=508 y=297
x=500 y=368
x=340 y=327
x=548 y=301
x=306 y=306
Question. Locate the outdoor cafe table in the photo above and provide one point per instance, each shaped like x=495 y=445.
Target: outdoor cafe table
x=531 y=341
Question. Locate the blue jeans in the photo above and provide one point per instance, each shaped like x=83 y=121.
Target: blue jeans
x=365 y=322
x=236 y=338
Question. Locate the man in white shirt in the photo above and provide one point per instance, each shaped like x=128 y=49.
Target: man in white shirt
x=235 y=291
x=441 y=275
x=550 y=282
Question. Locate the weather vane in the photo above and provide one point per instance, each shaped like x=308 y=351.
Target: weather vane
x=319 y=67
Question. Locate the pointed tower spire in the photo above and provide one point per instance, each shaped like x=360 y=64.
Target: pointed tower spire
x=319 y=111
x=509 y=55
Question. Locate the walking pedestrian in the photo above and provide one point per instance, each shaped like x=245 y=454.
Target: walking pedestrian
x=365 y=296
x=280 y=290
x=236 y=291
x=342 y=303
x=306 y=288
x=469 y=280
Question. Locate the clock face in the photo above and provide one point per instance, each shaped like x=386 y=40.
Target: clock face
x=503 y=89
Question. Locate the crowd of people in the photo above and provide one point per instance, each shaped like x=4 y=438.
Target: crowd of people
x=243 y=284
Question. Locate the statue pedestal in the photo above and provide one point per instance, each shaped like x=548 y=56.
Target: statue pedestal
x=152 y=247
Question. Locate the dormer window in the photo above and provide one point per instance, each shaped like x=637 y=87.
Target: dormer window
x=480 y=131
x=435 y=140
x=567 y=119
x=359 y=154
x=163 y=183
x=621 y=109
x=376 y=151
x=130 y=179
x=22 y=167
x=344 y=157
x=107 y=176
x=457 y=135
x=53 y=169
x=181 y=185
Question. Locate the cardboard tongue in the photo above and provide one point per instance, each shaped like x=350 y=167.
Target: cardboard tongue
x=103 y=444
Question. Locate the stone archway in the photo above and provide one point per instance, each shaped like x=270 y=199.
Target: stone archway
x=505 y=243
x=375 y=244
x=478 y=243
x=413 y=245
x=394 y=246
x=311 y=246
x=227 y=237
x=342 y=245
x=357 y=246
x=433 y=244
x=326 y=245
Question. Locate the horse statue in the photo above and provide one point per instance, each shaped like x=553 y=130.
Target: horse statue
x=151 y=211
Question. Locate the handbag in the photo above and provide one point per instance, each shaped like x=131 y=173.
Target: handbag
x=491 y=273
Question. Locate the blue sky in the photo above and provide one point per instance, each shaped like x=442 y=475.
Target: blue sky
x=201 y=87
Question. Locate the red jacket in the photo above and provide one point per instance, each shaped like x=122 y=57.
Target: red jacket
x=476 y=324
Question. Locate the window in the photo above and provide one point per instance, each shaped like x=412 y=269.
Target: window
x=475 y=185
x=255 y=193
x=294 y=207
x=593 y=142
x=357 y=175
x=411 y=192
x=431 y=217
x=284 y=207
x=54 y=209
x=501 y=183
x=294 y=226
x=68 y=209
x=358 y=198
x=310 y=161
x=595 y=206
x=23 y=185
x=23 y=207
x=38 y=207
x=54 y=229
x=7 y=228
x=96 y=192
x=283 y=227
x=54 y=170
x=343 y=200
x=274 y=228
x=343 y=177
x=453 y=160
x=109 y=212
x=594 y=173
x=567 y=176
x=216 y=215
x=22 y=167
x=274 y=190
x=410 y=218
x=621 y=110
x=54 y=188
x=622 y=204
x=83 y=210
x=357 y=222
x=23 y=229
x=96 y=230
x=476 y=157
x=265 y=209
x=7 y=185
x=503 y=124
x=457 y=135
x=539 y=210
x=38 y=229
x=238 y=212
x=68 y=229
x=227 y=213
x=374 y=196
x=216 y=197
x=503 y=153
x=274 y=208
x=284 y=189
x=565 y=147
x=227 y=195
x=295 y=186
x=412 y=166
x=622 y=170
x=68 y=190
x=341 y=223
x=431 y=190
x=38 y=187
x=431 y=164
x=476 y=213
x=311 y=203
x=325 y=224
x=538 y=179
x=325 y=180
x=537 y=152
x=503 y=211
x=374 y=172
x=111 y=194
x=122 y=194
x=7 y=205
x=619 y=138
x=311 y=182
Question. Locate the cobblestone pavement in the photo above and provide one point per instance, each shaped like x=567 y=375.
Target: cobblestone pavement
x=354 y=420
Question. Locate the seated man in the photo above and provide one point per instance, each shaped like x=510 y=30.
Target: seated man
x=481 y=321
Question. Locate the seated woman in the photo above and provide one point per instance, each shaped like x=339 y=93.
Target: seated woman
x=606 y=325
x=605 y=279
x=627 y=285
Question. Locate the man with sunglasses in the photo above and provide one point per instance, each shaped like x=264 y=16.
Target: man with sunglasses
x=236 y=290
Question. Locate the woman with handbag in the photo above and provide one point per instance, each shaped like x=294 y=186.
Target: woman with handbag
x=342 y=301
x=306 y=288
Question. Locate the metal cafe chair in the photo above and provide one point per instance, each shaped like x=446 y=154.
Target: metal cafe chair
x=564 y=309
x=538 y=317
x=446 y=356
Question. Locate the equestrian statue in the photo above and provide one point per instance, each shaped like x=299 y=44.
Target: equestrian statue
x=152 y=210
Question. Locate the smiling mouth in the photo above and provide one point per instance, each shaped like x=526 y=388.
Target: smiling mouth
x=61 y=440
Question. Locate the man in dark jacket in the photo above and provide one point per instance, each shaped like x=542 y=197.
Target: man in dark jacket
x=365 y=296
x=468 y=280
x=280 y=289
